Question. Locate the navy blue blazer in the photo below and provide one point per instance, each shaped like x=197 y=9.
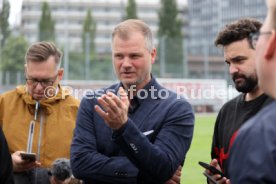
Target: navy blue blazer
x=253 y=154
x=147 y=149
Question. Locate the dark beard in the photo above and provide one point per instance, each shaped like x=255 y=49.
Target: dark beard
x=248 y=85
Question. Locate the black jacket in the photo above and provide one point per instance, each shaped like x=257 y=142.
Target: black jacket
x=6 y=174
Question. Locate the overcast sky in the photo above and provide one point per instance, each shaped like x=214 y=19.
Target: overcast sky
x=15 y=10
x=16 y=5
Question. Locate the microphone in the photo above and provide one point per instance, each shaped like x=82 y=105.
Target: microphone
x=61 y=169
x=37 y=104
x=31 y=129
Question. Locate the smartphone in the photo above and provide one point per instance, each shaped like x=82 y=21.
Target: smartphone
x=212 y=169
x=31 y=157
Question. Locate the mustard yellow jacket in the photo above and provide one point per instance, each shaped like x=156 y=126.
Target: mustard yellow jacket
x=58 y=115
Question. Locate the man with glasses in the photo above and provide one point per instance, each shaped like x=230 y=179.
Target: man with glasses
x=38 y=117
x=240 y=56
x=253 y=155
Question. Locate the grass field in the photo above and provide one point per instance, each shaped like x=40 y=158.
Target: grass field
x=199 y=150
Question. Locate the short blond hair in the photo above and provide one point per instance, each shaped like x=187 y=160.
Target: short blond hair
x=125 y=28
x=271 y=13
x=273 y=21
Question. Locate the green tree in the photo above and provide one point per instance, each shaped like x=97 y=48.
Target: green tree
x=13 y=56
x=46 y=24
x=131 y=12
x=170 y=34
x=4 y=23
x=76 y=65
x=101 y=70
x=89 y=32
x=88 y=45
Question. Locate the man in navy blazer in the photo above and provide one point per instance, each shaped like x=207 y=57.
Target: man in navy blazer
x=135 y=131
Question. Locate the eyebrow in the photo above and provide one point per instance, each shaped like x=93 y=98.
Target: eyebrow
x=39 y=79
x=237 y=58
x=117 y=54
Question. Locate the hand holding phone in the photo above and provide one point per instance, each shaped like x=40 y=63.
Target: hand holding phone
x=210 y=178
x=31 y=157
x=212 y=169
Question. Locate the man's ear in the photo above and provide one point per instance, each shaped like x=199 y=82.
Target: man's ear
x=153 y=55
x=271 y=46
x=60 y=73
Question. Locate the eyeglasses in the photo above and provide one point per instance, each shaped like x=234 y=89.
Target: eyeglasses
x=43 y=83
x=254 y=37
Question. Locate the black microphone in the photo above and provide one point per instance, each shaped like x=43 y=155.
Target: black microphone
x=61 y=169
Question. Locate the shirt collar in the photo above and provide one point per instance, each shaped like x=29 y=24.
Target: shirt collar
x=145 y=89
x=135 y=102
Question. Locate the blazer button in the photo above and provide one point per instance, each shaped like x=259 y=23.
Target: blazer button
x=134 y=148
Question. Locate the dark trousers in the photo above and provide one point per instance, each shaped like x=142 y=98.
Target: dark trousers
x=34 y=176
